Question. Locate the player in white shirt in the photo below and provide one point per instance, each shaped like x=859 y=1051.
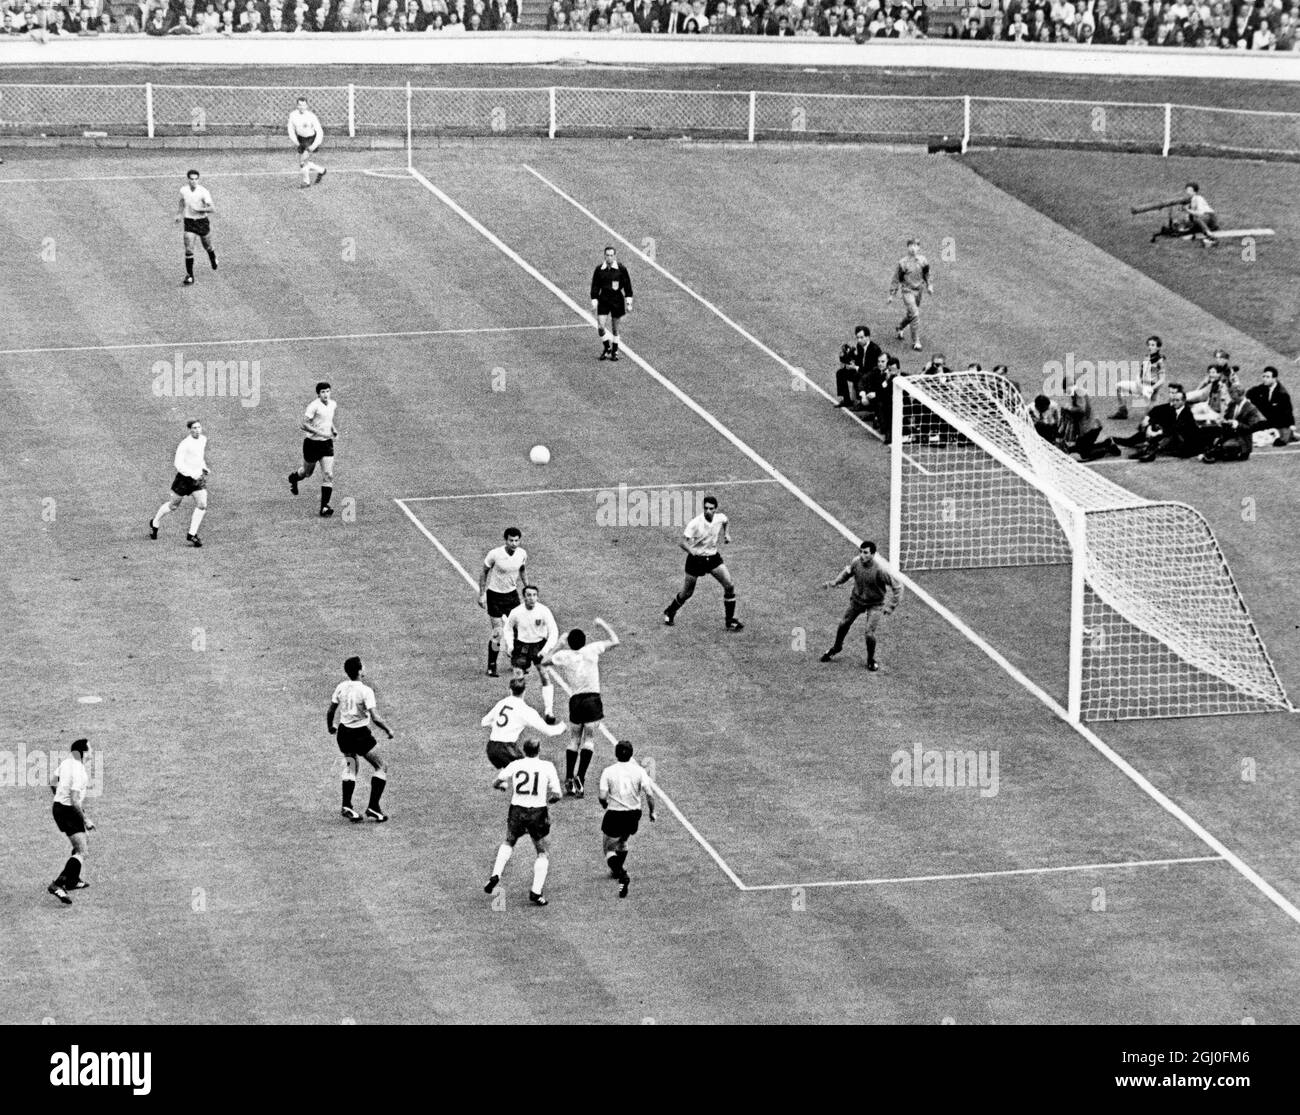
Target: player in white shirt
x=354 y=701
x=191 y=480
x=577 y=664
x=529 y=634
x=307 y=134
x=69 y=784
x=534 y=786
x=622 y=786
x=507 y=720
x=498 y=588
x=701 y=545
x=196 y=204
x=318 y=445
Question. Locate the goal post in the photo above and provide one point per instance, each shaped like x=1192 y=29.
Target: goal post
x=1157 y=625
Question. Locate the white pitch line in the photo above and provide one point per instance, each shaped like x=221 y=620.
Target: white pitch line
x=473 y=584
x=990 y=874
x=765 y=349
x=919 y=467
x=405 y=333
x=1135 y=776
x=584 y=491
x=211 y=174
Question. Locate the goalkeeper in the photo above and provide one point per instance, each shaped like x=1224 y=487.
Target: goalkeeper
x=876 y=592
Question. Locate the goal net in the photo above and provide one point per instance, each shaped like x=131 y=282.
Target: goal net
x=1157 y=625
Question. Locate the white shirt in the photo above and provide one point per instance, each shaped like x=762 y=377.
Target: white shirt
x=510 y=716
x=320 y=417
x=530 y=782
x=189 y=456
x=531 y=625
x=579 y=667
x=198 y=202
x=72 y=780
x=622 y=784
x=305 y=124
x=702 y=536
x=355 y=700
x=503 y=568
x=1198 y=205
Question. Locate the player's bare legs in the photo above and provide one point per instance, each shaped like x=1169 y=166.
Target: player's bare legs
x=173 y=504
x=687 y=591
x=723 y=576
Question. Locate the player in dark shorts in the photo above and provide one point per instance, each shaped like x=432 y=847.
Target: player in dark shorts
x=501 y=754
x=524 y=656
x=533 y=785
x=353 y=700
x=701 y=565
x=183 y=486
x=611 y=298
x=195 y=205
x=586 y=708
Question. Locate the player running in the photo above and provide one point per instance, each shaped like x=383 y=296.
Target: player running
x=306 y=132
x=622 y=785
x=701 y=546
x=69 y=785
x=354 y=700
x=318 y=445
x=872 y=583
x=912 y=277
x=196 y=204
x=578 y=666
x=528 y=635
x=498 y=588
x=507 y=720
x=191 y=480
x=534 y=786
x=611 y=298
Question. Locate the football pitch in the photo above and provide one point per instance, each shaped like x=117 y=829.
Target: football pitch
x=1144 y=874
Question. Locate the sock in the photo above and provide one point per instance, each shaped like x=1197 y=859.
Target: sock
x=548 y=699
x=539 y=872
x=570 y=757
x=729 y=606
x=195 y=519
x=613 y=345
x=493 y=651
x=165 y=509
x=871 y=648
x=72 y=872
x=325 y=493
x=503 y=857
x=584 y=761
x=189 y=264
x=377 y=783
x=604 y=340
x=674 y=605
x=616 y=861
x=349 y=784
x=212 y=257
x=306 y=172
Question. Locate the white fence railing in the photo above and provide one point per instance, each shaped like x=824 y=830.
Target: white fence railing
x=361 y=111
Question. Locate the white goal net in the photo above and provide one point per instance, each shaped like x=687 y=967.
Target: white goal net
x=1157 y=625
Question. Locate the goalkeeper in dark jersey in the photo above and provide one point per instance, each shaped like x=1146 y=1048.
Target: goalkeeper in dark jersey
x=876 y=592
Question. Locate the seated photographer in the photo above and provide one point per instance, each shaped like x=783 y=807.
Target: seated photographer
x=1210 y=398
x=885 y=398
x=1079 y=429
x=1274 y=403
x=1046 y=416
x=872 y=388
x=855 y=361
x=1234 y=436
x=1167 y=428
x=936 y=366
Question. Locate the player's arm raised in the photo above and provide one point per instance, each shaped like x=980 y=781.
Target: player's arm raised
x=613 y=639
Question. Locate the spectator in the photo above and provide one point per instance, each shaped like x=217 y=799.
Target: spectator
x=885 y=398
x=1273 y=401
x=1210 y=398
x=1233 y=438
x=1046 y=417
x=1167 y=428
x=1079 y=430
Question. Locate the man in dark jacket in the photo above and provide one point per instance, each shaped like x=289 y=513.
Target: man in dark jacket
x=1168 y=428
x=1272 y=400
x=1234 y=437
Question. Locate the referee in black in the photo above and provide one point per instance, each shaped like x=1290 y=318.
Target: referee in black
x=611 y=298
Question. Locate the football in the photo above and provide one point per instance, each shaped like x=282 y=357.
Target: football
x=539 y=455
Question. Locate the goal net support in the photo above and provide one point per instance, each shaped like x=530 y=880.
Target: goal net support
x=1157 y=625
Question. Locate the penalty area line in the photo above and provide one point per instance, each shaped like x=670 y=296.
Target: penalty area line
x=887 y=881
x=668 y=802
x=585 y=491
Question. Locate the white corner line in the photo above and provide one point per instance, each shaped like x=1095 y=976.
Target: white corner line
x=1137 y=778
x=1021 y=871
x=798 y=373
x=672 y=807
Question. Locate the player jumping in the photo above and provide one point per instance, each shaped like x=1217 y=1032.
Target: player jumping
x=702 y=557
x=196 y=204
x=306 y=132
x=578 y=664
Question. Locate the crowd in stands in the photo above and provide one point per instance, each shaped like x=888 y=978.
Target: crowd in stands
x=1231 y=24
x=1218 y=419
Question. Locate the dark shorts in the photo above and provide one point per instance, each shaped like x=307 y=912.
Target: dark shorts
x=585 y=708
x=698 y=565
x=305 y=142
x=198 y=226
x=68 y=819
x=873 y=612
x=522 y=821
x=614 y=306
x=313 y=450
x=184 y=486
x=620 y=823
x=525 y=655
x=501 y=604
x=502 y=754
x=356 y=741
